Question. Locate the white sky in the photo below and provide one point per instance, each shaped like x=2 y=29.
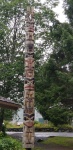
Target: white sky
x=60 y=11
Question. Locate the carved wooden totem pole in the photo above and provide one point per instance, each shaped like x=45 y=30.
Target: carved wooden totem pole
x=28 y=129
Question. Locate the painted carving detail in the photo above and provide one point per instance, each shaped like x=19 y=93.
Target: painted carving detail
x=28 y=140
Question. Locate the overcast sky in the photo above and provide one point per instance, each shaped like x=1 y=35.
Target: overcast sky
x=60 y=11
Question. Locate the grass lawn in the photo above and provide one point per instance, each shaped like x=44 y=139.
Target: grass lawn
x=62 y=141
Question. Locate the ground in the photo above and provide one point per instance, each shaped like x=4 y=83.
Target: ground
x=40 y=146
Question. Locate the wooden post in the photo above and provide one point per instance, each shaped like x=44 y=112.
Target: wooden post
x=28 y=129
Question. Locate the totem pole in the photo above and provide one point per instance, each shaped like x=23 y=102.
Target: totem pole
x=28 y=129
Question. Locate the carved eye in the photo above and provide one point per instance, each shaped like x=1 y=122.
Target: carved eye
x=33 y=55
x=25 y=118
x=26 y=82
x=33 y=82
x=32 y=118
x=29 y=55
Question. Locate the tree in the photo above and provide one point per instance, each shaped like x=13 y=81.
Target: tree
x=12 y=45
x=55 y=77
x=12 y=42
x=52 y=93
x=68 y=9
x=59 y=115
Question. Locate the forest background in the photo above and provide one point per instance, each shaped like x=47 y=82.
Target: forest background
x=53 y=57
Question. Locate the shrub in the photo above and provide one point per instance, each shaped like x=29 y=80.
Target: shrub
x=1 y=134
x=65 y=127
x=7 y=143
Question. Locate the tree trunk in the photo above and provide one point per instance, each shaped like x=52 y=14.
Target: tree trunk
x=1 y=118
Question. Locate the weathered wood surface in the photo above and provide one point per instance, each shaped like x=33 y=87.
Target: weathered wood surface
x=28 y=129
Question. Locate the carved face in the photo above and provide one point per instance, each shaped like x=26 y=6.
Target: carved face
x=30 y=24
x=29 y=62
x=29 y=73
x=29 y=19
x=29 y=81
x=29 y=35
x=29 y=94
x=28 y=117
x=29 y=135
x=31 y=55
x=29 y=110
x=30 y=28
x=29 y=106
x=29 y=85
x=29 y=46
x=29 y=11
x=29 y=123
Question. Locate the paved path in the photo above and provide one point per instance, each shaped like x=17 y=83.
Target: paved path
x=48 y=134
x=44 y=134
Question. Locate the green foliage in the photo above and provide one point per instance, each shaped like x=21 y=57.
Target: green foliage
x=44 y=125
x=65 y=127
x=12 y=35
x=68 y=7
x=54 y=84
x=50 y=126
x=59 y=115
x=7 y=143
x=54 y=93
x=4 y=129
x=1 y=135
x=12 y=43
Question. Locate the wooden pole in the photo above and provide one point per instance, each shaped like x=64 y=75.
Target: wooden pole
x=28 y=129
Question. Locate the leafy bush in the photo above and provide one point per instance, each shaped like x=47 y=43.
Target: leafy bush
x=44 y=125
x=7 y=143
x=65 y=127
x=59 y=115
x=4 y=129
x=50 y=126
x=1 y=135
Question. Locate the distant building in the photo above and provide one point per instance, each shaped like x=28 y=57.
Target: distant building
x=38 y=117
x=18 y=118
